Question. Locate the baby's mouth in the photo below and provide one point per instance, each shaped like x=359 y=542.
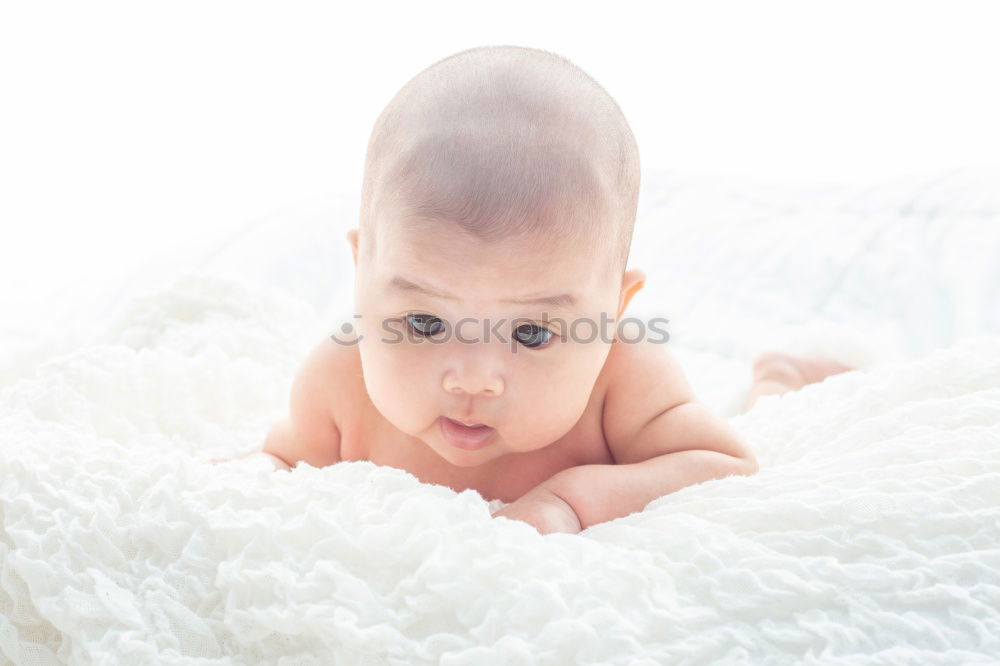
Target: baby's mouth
x=465 y=436
x=469 y=424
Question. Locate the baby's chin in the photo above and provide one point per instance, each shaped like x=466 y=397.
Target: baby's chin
x=479 y=459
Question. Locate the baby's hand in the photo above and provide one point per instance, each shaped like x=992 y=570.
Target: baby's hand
x=543 y=510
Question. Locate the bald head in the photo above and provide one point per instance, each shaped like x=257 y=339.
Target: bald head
x=508 y=143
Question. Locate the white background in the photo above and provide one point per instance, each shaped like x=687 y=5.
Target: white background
x=132 y=130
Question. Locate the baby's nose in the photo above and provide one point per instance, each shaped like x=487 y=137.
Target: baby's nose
x=474 y=374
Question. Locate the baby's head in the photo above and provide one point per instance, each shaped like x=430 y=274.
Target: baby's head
x=499 y=196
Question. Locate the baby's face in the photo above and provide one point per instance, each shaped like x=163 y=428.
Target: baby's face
x=464 y=350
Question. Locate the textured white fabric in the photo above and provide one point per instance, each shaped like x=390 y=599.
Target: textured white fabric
x=870 y=535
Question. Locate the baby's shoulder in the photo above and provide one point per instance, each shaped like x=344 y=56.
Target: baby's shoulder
x=638 y=364
x=328 y=378
x=338 y=361
x=635 y=349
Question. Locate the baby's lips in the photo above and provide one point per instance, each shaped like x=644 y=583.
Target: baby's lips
x=467 y=422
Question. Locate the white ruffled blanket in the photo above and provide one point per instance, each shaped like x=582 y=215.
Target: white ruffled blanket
x=870 y=535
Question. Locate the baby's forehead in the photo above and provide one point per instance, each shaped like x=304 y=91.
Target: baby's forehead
x=497 y=221
x=514 y=273
x=444 y=244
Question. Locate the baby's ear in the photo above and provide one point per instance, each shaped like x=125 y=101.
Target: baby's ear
x=632 y=281
x=352 y=239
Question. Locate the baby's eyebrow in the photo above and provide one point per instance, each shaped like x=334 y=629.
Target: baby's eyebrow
x=399 y=283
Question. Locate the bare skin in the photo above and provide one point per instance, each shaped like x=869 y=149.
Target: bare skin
x=365 y=435
x=569 y=404
x=335 y=416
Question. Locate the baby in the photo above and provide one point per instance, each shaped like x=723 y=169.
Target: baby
x=488 y=350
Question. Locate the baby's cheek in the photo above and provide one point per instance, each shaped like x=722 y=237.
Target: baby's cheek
x=552 y=403
x=577 y=375
x=395 y=381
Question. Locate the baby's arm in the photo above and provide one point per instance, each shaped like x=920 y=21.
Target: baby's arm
x=660 y=437
x=309 y=432
x=651 y=410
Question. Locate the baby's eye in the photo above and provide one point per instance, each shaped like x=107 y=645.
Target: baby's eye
x=532 y=336
x=424 y=325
